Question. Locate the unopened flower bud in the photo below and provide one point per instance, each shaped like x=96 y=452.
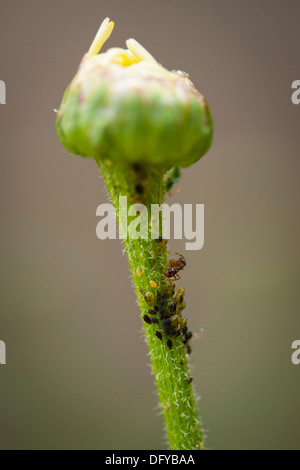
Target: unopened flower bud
x=124 y=106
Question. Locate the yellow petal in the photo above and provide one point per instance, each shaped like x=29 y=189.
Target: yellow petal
x=139 y=51
x=101 y=37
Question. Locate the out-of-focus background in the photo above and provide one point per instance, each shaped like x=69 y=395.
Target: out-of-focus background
x=77 y=373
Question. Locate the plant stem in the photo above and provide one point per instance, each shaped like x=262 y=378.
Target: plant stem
x=148 y=259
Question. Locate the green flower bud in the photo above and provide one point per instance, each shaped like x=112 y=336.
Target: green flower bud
x=124 y=106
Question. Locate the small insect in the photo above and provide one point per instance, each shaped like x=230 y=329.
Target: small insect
x=174 y=266
x=147 y=319
x=174 y=333
x=159 y=335
x=152 y=312
x=189 y=381
x=154 y=320
x=138 y=272
x=187 y=336
x=153 y=284
x=171 y=307
x=170 y=288
x=160 y=245
x=139 y=188
x=179 y=296
x=166 y=323
x=169 y=344
x=149 y=297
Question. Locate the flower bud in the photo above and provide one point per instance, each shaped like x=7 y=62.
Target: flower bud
x=124 y=106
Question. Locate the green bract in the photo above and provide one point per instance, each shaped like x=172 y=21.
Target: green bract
x=123 y=106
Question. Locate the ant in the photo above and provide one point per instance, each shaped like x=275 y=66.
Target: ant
x=174 y=266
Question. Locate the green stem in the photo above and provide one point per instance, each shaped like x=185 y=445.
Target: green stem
x=147 y=259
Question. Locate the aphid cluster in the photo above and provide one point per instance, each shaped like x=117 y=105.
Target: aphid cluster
x=168 y=307
x=173 y=323
x=165 y=308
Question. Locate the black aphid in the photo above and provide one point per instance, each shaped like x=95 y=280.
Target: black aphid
x=139 y=188
x=166 y=323
x=152 y=312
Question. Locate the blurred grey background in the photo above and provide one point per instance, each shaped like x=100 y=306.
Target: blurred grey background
x=77 y=373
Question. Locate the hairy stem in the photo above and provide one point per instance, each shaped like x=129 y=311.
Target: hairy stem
x=147 y=259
